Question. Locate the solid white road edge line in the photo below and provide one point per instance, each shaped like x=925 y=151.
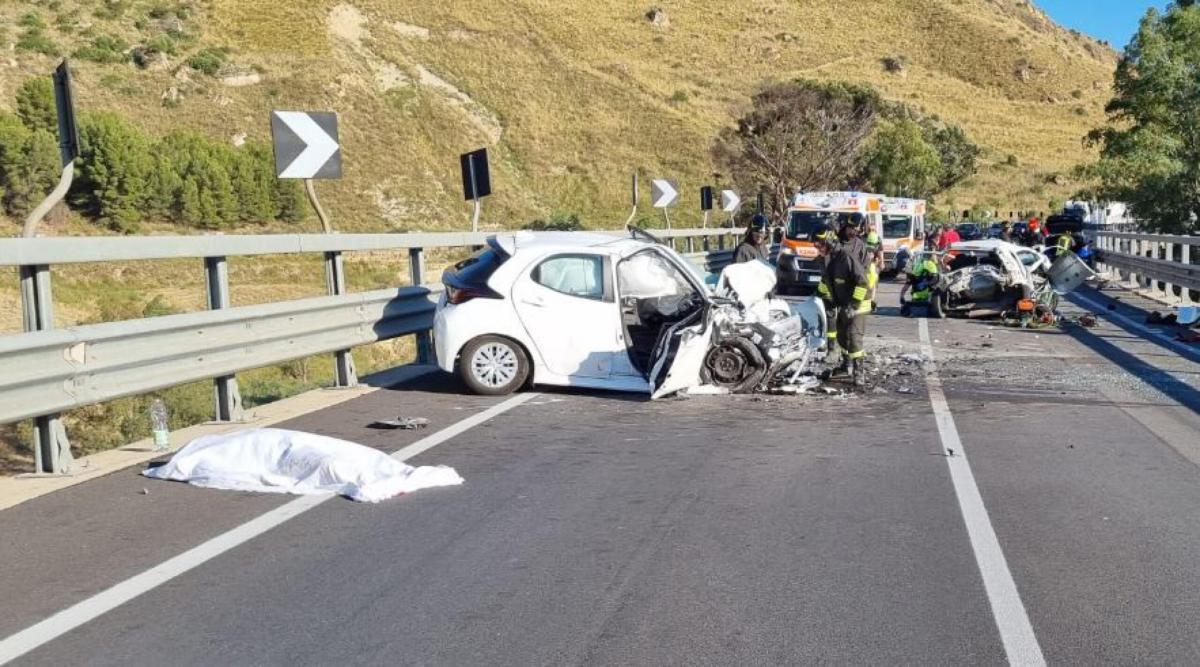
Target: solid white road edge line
x=76 y=615
x=1016 y=633
x=1101 y=310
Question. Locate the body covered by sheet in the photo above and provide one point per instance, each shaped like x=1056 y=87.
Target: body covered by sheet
x=282 y=461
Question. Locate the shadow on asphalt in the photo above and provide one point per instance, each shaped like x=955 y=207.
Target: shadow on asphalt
x=1161 y=380
x=1137 y=314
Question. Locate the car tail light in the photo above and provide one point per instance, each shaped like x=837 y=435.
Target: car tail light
x=458 y=295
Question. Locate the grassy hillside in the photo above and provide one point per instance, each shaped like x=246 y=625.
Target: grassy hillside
x=568 y=96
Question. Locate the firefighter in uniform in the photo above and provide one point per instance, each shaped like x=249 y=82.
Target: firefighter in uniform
x=824 y=238
x=844 y=288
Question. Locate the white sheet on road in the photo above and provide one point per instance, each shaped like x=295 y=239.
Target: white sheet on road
x=276 y=460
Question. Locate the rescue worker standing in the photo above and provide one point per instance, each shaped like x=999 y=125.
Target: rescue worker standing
x=874 y=247
x=754 y=243
x=844 y=288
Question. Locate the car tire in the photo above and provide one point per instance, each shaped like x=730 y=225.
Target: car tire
x=937 y=308
x=493 y=365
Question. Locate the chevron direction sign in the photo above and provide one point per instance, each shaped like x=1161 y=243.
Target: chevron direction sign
x=306 y=144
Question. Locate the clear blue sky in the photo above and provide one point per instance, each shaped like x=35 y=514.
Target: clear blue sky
x=1112 y=20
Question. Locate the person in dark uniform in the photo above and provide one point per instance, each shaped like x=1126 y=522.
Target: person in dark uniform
x=754 y=243
x=844 y=287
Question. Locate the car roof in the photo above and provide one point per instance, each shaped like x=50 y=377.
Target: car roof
x=985 y=245
x=541 y=242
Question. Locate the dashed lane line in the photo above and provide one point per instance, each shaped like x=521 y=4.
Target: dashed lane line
x=76 y=615
x=1016 y=633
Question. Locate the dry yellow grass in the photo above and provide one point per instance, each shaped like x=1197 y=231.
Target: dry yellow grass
x=579 y=93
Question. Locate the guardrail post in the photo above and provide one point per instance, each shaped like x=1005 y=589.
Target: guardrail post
x=344 y=374
x=1135 y=249
x=51 y=448
x=1185 y=294
x=227 y=401
x=416 y=266
x=1168 y=290
x=691 y=245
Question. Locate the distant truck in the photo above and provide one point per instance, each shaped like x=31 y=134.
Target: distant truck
x=903 y=231
x=799 y=268
x=1096 y=216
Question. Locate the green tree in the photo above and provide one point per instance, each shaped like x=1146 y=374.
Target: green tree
x=33 y=174
x=292 y=202
x=115 y=164
x=1150 y=146
x=899 y=162
x=253 y=182
x=802 y=134
x=35 y=104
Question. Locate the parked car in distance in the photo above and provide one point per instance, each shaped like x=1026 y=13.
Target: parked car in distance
x=995 y=230
x=969 y=231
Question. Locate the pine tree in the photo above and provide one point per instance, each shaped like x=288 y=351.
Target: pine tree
x=189 y=203
x=114 y=167
x=35 y=104
x=293 y=205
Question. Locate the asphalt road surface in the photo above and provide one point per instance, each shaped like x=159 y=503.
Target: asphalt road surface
x=599 y=528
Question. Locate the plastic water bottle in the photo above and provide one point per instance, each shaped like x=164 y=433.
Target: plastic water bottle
x=158 y=422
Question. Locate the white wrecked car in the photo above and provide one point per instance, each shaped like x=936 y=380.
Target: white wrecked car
x=621 y=313
x=987 y=277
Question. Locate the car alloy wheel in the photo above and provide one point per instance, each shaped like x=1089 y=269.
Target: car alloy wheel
x=495 y=365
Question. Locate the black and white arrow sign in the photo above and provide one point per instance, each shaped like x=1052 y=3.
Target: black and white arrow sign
x=730 y=201
x=306 y=144
x=664 y=193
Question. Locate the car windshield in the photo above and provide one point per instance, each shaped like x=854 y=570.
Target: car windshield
x=802 y=223
x=968 y=228
x=897 y=226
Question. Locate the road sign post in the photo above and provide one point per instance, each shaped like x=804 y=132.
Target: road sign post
x=306 y=147
x=634 y=190
x=706 y=203
x=477 y=182
x=664 y=194
x=51 y=448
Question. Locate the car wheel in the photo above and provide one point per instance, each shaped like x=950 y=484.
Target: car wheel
x=736 y=364
x=493 y=365
x=937 y=305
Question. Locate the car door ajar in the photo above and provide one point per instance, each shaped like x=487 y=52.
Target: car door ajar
x=566 y=304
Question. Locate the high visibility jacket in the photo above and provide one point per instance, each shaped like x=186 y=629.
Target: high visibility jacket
x=844 y=281
x=924 y=277
x=1064 y=244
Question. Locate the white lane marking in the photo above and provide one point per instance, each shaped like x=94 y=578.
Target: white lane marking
x=1102 y=310
x=76 y=615
x=1016 y=633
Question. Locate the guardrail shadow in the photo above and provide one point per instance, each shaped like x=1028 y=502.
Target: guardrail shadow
x=1153 y=376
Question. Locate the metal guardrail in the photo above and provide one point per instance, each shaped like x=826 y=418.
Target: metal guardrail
x=1163 y=264
x=46 y=370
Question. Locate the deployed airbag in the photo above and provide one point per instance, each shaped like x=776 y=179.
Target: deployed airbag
x=275 y=460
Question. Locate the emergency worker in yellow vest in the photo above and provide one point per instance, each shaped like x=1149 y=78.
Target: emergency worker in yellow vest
x=874 y=260
x=922 y=278
x=1064 y=244
x=844 y=287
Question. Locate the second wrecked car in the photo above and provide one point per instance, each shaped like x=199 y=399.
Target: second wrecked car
x=615 y=312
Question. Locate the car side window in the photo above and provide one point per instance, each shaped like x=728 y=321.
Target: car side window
x=574 y=275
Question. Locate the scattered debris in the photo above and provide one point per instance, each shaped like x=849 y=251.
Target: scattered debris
x=1088 y=320
x=405 y=423
x=1156 y=317
x=904 y=390
x=1188 y=337
x=145 y=491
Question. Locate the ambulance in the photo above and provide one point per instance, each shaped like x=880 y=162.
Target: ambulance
x=903 y=231
x=799 y=269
